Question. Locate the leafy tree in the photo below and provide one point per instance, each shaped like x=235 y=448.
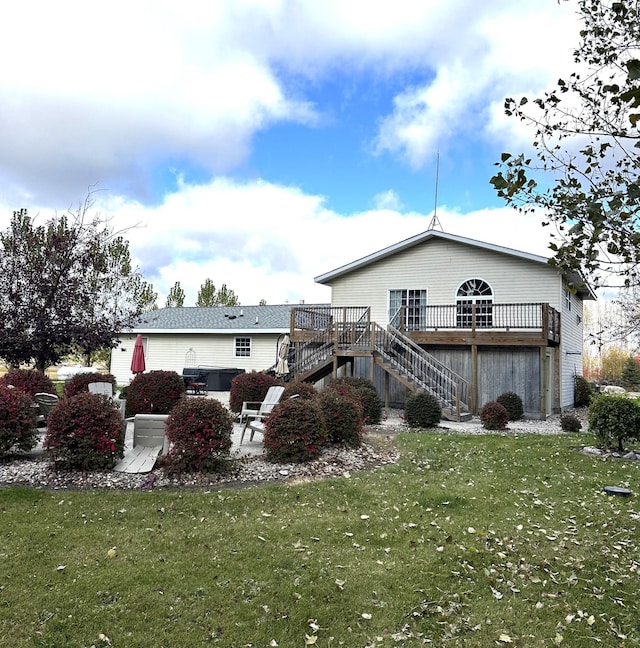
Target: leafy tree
x=631 y=375
x=55 y=279
x=226 y=297
x=613 y=359
x=583 y=174
x=209 y=296
x=176 y=296
x=121 y=295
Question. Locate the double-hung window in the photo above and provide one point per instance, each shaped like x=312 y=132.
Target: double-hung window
x=243 y=347
x=414 y=312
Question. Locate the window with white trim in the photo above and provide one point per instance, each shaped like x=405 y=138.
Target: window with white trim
x=567 y=299
x=415 y=302
x=478 y=294
x=243 y=347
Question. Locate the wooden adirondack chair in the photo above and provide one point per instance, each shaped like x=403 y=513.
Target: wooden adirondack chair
x=149 y=442
x=252 y=417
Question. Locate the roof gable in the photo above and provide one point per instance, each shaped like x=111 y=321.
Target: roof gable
x=573 y=279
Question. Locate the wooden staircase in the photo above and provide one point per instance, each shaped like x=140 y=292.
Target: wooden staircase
x=395 y=353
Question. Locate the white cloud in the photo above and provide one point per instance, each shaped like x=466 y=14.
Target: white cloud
x=268 y=242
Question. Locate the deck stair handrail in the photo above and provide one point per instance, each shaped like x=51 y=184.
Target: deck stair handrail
x=422 y=368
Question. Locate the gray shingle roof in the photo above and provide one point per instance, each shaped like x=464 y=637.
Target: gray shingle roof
x=264 y=319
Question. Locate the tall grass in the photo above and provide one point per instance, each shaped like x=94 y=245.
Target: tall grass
x=468 y=541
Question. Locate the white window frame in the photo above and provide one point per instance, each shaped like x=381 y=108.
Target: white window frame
x=483 y=300
x=242 y=344
x=415 y=312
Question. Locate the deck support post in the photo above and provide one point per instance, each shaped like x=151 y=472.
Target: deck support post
x=473 y=395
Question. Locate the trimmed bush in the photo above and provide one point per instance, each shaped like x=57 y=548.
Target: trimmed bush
x=343 y=417
x=569 y=422
x=613 y=420
x=513 y=404
x=17 y=421
x=367 y=394
x=85 y=432
x=80 y=382
x=300 y=389
x=29 y=381
x=252 y=386
x=156 y=392
x=422 y=410
x=494 y=416
x=295 y=431
x=583 y=392
x=199 y=430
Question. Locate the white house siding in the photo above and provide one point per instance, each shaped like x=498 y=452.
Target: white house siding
x=172 y=352
x=439 y=267
x=571 y=347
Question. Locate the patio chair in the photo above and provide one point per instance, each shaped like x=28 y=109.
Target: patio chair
x=45 y=402
x=251 y=415
x=149 y=442
x=104 y=388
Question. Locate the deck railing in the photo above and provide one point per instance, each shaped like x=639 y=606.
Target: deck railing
x=482 y=316
x=314 y=318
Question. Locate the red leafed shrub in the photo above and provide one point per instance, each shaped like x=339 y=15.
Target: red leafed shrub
x=85 y=432
x=367 y=395
x=299 y=389
x=199 y=430
x=494 y=416
x=80 y=382
x=343 y=417
x=17 y=421
x=29 y=381
x=295 y=431
x=251 y=386
x=156 y=392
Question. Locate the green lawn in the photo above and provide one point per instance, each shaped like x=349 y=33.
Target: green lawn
x=468 y=541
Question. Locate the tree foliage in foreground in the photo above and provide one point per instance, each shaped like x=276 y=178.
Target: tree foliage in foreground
x=584 y=171
x=67 y=284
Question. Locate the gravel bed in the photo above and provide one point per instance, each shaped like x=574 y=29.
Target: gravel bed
x=377 y=450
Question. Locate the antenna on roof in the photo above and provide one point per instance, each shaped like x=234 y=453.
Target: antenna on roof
x=435 y=222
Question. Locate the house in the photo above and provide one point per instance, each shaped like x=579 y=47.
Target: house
x=460 y=318
x=223 y=337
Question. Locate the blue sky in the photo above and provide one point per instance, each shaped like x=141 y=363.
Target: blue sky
x=261 y=143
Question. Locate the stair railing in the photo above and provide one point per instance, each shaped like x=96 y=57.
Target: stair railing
x=425 y=370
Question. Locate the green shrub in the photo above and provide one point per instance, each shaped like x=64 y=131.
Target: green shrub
x=80 y=382
x=630 y=377
x=367 y=394
x=583 y=392
x=252 y=386
x=17 y=421
x=569 y=422
x=343 y=417
x=29 y=381
x=156 y=392
x=199 y=430
x=494 y=416
x=85 y=432
x=422 y=410
x=300 y=389
x=295 y=431
x=614 y=419
x=513 y=404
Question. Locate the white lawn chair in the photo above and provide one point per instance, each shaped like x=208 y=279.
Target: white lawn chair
x=149 y=442
x=104 y=388
x=253 y=416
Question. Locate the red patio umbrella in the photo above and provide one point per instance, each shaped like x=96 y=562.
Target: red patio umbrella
x=137 y=359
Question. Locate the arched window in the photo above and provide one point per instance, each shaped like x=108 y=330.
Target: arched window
x=474 y=295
